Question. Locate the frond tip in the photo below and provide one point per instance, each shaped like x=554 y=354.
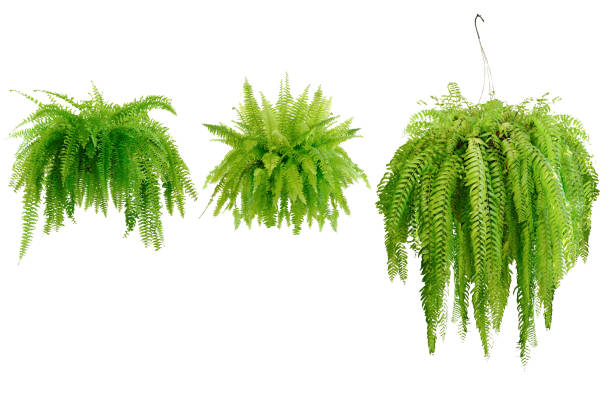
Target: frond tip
x=285 y=162
x=478 y=189
x=85 y=153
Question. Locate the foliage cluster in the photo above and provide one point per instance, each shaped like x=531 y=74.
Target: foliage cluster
x=479 y=188
x=285 y=161
x=85 y=153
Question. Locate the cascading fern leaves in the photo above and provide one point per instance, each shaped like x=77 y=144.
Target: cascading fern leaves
x=478 y=188
x=85 y=153
x=285 y=162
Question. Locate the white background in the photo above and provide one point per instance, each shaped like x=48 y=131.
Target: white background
x=261 y=318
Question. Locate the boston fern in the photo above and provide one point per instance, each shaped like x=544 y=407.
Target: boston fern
x=83 y=153
x=478 y=188
x=285 y=161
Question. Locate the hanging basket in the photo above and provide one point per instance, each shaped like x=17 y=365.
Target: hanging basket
x=85 y=153
x=488 y=194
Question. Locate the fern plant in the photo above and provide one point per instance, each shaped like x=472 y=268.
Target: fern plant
x=85 y=153
x=478 y=188
x=285 y=161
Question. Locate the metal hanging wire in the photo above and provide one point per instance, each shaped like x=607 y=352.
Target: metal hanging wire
x=487 y=80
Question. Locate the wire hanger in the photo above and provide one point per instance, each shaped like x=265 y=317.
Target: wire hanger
x=487 y=80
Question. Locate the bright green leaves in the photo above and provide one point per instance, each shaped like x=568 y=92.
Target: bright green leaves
x=294 y=184
x=270 y=160
x=285 y=162
x=485 y=192
x=475 y=180
x=310 y=171
x=436 y=272
x=83 y=153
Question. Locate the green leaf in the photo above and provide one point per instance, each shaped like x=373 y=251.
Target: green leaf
x=270 y=161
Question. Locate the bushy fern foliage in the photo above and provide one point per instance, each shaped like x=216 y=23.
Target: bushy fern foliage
x=285 y=161
x=85 y=153
x=488 y=191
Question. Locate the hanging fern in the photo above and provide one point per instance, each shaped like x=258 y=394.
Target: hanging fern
x=83 y=153
x=285 y=161
x=478 y=188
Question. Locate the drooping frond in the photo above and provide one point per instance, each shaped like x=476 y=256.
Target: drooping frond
x=482 y=192
x=85 y=153
x=285 y=162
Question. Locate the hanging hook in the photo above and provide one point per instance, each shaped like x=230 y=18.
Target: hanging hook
x=478 y=16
